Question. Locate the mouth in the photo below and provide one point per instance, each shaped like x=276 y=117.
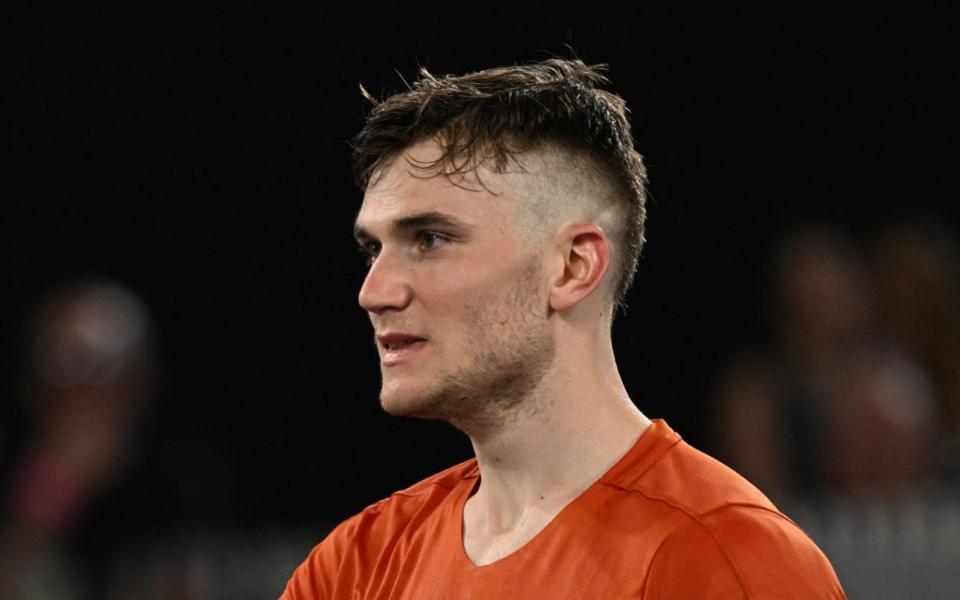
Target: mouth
x=397 y=347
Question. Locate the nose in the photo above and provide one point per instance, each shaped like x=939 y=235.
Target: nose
x=386 y=287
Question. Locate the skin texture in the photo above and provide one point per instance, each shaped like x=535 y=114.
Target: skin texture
x=513 y=313
x=468 y=286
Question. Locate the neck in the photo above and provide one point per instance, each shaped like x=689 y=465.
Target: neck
x=555 y=445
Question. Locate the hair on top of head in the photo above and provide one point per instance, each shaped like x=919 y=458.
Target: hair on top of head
x=494 y=116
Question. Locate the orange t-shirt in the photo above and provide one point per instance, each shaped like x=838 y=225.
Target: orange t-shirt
x=666 y=521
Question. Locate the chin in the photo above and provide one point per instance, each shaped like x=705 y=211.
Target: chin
x=399 y=401
x=408 y=401
x=398 y=407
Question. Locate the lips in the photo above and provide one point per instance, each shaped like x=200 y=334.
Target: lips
x=394 y=341
x=397 y=347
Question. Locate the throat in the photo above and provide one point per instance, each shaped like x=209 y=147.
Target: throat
x=489 y=535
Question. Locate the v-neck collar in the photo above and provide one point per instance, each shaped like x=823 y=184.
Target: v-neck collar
x=649 y=447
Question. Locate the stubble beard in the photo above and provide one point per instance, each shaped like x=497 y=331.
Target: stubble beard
x=510 y=352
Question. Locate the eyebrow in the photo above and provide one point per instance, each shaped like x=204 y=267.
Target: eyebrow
x=411 y=222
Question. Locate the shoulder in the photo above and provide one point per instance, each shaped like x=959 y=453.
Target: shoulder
x=661 y=467
x=357 y=544
x=410 y=500
x=698 y=483
x=741 y=552
x=719 y=532
x=396 y=512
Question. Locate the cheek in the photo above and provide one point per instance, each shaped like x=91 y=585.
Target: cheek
x=448 y=290
x=462 y=318
x=470 y=298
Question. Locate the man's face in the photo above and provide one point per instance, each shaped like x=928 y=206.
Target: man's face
x=456 y=297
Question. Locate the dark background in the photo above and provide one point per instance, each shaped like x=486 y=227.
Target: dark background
x=199 y=157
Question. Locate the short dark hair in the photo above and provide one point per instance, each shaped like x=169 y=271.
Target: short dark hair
x=494 y=115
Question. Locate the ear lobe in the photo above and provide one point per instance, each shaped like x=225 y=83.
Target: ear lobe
x=586 y=253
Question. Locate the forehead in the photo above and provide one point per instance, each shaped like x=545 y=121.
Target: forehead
x=408 y=184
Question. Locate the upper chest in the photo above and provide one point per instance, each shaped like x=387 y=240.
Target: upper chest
x=601 y=542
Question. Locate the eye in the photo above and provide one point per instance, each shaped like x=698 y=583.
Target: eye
x=430 y=240
x=369 y=250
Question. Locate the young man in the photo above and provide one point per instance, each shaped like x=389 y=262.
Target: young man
x=503 y=216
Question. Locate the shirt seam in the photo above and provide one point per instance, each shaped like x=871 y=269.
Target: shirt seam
x=605 y=480
x=695 y=519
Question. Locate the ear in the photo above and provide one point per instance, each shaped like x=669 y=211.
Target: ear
x=586 y=253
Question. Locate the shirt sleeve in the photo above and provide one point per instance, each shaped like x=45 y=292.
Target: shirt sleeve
x=312 y=579
x=740 y=552
x=320 y=575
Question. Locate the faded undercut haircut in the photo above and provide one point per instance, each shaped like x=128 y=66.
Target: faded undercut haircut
x=492 y=117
